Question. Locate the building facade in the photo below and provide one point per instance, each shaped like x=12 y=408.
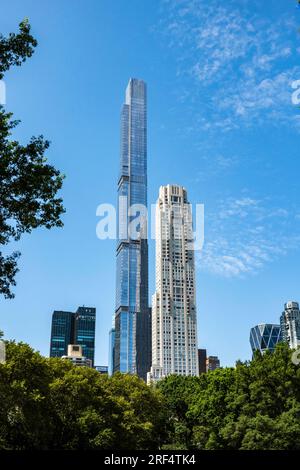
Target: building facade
x=212 y=363
x=75 y=328
x=75 y=356
x=174 y=316
x=202 y=355
x=62 y=332
x=290 y=324
x=264 y=337
x=111 y=351
x=84 y=331
x=132 y=340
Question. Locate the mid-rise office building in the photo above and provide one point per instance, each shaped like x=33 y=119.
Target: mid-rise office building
x=212 y=363
x=62 y=332
x=77 y=328
x=264 y=337
x=132 y=336
x=290 y=324
x=84 y=330
x=174 y=316
x=202 y=355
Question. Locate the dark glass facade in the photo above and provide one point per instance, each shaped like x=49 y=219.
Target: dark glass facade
x=62 y=333
x=202 y=360
x=111 y=353
x=84 y=335
x=132 y=351
x=73 y=328
x=265 y=337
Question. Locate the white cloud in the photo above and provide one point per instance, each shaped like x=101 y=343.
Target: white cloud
x=244 y=235
x=254 y=101
x=245 y=60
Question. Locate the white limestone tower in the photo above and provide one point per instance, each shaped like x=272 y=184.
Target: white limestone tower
x=174 y=316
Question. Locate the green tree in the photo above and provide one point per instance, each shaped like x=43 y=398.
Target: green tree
x=265 y=404
x=254 y=406
x=141 y=417
x=83 y=410
x=28 y=185
x=178 y=392
x=52 y=404
x=24 y=389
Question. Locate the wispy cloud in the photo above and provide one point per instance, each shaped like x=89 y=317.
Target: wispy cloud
x=245 y=234
x=246 y=61
x=214 y=166
x=235 y=66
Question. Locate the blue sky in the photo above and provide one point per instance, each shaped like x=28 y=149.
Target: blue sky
x=220 y=122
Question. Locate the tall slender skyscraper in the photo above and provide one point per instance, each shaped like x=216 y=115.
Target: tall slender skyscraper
x=174 y=317
x=132 y=318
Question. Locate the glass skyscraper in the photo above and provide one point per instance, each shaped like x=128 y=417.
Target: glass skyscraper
x=132 y=349
x=62 y=333
x=111 y=353
x=73 y=328
x=264 y=337
x=84 y=331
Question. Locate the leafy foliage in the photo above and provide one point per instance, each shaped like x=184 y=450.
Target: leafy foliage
x=51 y=404
x=254 y=406
x=15 y=49
x=28 y=185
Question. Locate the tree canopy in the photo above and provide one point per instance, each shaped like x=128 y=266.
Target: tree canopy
x=28 y=184
x=52 y=404
x=253 y=406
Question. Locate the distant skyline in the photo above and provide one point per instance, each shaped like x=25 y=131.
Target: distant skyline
x=221 y=123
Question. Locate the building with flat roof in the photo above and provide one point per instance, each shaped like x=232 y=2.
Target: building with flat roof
x=174 y=315
x=73 y=328
x=212 y=363
x=202 y=354
x=75 y=356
